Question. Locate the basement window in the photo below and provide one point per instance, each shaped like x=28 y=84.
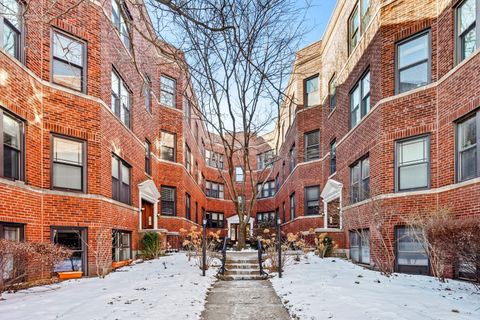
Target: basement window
x=121 y=245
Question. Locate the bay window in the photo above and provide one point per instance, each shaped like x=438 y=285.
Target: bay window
x=168 y=143
x=467 y=29
x=214 y=159
x=168 y=89
x=292 y=206
x=360 y=180
x=413 y=63
x=312 y=200
x=121 y=99
x=311 y=89
x=468 y=148
x=168 y=205
x=121 y=180
x=148 y=157
x=11 y=146
x=69 y=164
x=11 y=27
x=69 y=62
x=360 y=100
x=332 y=92
x=412 y=161
x=188 y=206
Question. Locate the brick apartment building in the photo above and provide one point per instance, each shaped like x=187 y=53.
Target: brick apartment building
x=103 y=136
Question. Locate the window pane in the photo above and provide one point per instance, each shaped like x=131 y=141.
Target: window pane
x=413 y=51
x=415 y=176
x=115 y=167
x=312 y=91
x=366 y=85
x=466 y=15
x=125 y=174
x=67 y=176
x=414 y=77
x=67 y=75
x=67 y=151
x=413 y=151
x=468 y=43
x=67 y=49
x=11 y=132
x=355 y=173
x=11 y=163
x=11 y=233
x=410 y=248
x=468 y=164
x=11 y=39
x=11 y=10
x=467 y=133
x=365 y=168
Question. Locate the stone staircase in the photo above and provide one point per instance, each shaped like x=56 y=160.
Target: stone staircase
x=242 y=266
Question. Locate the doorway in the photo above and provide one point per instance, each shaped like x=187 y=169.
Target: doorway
x=147 y=215
x=234 y=229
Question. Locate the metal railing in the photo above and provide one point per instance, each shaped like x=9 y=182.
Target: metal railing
x=260 y=258
x=224 y=256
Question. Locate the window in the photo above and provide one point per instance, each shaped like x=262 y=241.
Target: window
x=265 y=216
x=277 y=183
x=11 y=27
x=293 y=155
x=284 y=176
x=360 y=246
x=121 y=245
x=214 y=220
x=203 y=149
x=264 y=159
x=118 y=18
x=168 y=196
x=284 y=212
x=239 y=174
x=410 y=256
x=412 y=161
x=467 y=30
x=10 y=269
x=197 y=178
x=69 y=164
x=292 y=206
x=360 y=180
x=68 y=62
x=120 y=180
x=74 y=239
x=188 y=159
x=358 y=22
x=148 y=157
x=312 y=198
x=312 y=92
x=214 y=159
x=188 y=110
x=413 y=63
x=188 y=209
x=312 y=145
x=268 y=190
x=360 y=100
x=214 y=190
x=168 y=88
x=332 y=92
x=468 y=148
x=147 y=93
x=11 y=146
x=196 y=132
x=168 y=143
x=121 y=99
x=333 y=156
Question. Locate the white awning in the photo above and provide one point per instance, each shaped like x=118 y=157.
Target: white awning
x=332 y=190
x=149 y=191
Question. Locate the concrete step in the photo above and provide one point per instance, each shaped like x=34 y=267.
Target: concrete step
x=242 y=261
x=242 y=272
x=241 y=266
x=242 y=277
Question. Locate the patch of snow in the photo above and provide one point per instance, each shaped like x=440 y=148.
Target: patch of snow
x=166 y=288
x=331 y=288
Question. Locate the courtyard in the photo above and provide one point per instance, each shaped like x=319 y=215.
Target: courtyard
x=171 y=287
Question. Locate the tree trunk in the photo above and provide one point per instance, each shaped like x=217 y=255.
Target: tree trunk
x=241 y=236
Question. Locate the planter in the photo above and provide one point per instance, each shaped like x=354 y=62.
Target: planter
x=119 y=264
x=65 y=275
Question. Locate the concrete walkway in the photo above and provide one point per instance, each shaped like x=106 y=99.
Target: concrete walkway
x=249 y=299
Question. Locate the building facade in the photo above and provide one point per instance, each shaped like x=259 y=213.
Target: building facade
x=100 y=134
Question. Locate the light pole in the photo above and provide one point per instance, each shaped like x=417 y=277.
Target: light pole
x=204 y=246
x=279 y=236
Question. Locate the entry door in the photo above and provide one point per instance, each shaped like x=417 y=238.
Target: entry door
x=147 y=215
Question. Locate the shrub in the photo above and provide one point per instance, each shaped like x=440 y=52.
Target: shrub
x=151 y=245
x=324 y=245
x=17 y=257
x=192 y=243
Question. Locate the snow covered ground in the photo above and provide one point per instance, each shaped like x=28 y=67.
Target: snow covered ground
x=330 y=288
x=167 y=288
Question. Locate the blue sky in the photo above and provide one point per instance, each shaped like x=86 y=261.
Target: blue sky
x=317 y=18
